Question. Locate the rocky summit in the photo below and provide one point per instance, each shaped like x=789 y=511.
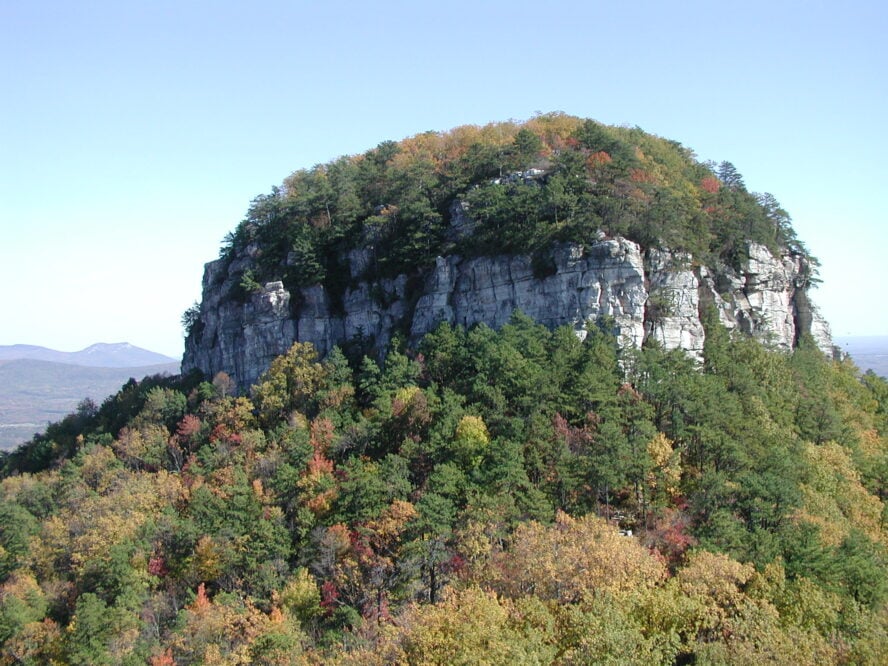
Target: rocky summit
x=570 y=221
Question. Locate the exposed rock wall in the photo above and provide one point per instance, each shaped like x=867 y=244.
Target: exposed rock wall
x=606 y=278
x=655 y=294
x=672 y=315
x=767 y=299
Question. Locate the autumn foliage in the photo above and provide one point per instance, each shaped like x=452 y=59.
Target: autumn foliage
x=512 y=496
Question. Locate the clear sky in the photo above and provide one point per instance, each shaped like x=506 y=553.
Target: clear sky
x=133 y=135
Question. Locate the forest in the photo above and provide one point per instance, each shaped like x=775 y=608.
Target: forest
x=491 y=497
x=479 y=496
x=554 y=178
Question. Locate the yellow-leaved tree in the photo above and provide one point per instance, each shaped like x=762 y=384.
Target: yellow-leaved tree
x=572 y=561
x=290 y=384
x=470 y=441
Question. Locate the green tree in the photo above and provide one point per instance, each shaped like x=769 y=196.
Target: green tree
x=19 y=525
x=97 y=633
x=290 y=384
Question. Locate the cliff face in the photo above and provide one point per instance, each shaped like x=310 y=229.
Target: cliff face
x=647 y=294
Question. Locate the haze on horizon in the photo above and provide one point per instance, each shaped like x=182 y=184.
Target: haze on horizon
x=136 y=136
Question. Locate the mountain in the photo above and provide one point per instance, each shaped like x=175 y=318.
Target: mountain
x=100 y=355
x=39 y=385
x=567 y=220
x=660 y=459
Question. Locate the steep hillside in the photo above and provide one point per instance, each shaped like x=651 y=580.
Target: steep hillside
x=568 y=220
x=512 y=496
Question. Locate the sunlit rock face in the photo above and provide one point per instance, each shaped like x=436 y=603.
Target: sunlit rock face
x=767 y=299
x=654 y=294
x=604 y=279
x=672 y=315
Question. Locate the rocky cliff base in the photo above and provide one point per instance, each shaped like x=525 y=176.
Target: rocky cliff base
x=652 y=294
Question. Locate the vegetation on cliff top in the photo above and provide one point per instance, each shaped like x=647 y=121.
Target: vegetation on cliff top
x=461 y=503
x=525 y=185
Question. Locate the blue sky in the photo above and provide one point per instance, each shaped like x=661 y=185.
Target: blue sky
x=134 y=135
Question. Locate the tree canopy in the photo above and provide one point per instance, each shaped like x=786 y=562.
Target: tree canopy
x=524 y=186
x=489 y=497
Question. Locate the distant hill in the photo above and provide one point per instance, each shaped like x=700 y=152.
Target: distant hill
x=100 y=355
x=34 y=392
x=869 y=352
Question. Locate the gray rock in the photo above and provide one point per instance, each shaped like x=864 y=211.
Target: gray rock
x=658 y=295
x=461 y=223
x=604 y=279
x=672 y=317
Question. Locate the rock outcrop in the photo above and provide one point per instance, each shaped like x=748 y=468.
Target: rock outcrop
x=653 y=294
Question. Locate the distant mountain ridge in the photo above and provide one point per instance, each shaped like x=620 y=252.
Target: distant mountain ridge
x=99 y=355
x=40 y=385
